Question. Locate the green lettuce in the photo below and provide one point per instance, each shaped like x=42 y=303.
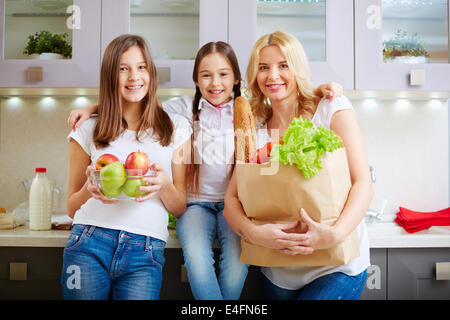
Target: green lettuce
x=172 y=221
x=303 y=144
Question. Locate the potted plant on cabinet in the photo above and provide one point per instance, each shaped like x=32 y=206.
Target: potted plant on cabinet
x=45 y=45
x=405 y=49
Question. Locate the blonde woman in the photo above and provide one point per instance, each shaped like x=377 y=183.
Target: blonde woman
x=280 y=85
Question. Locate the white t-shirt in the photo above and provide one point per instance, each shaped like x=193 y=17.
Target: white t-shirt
x=293 y=278
x=147 y=218
x=214 y=148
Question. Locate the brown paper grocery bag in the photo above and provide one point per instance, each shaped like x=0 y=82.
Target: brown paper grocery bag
x=274 y=193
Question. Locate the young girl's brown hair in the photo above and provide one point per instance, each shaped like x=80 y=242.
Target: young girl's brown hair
x=227 y=51
x=110 y=123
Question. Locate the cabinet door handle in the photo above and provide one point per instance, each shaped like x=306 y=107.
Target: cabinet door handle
x=418 y=77
x=442 y=270
x=163 y=74
x=34 y=74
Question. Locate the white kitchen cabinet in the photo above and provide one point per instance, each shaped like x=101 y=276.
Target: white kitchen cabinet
x=402 y=45
x=174 y=30
x=324 y=27
x=18 y=19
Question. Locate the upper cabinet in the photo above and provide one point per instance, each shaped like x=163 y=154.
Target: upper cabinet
x=32 y=31
x=174 y=30
x=362 y=44
x=402 y=45
x=324 y=28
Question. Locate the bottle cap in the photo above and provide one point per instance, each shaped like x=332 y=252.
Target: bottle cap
x=41 y=170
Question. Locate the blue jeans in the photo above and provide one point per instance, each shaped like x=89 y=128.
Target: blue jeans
x=197 y=228
x=100 y=263
x=333 y=286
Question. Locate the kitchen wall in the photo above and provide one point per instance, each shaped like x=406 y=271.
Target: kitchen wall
x=407 y=142
x=33 y=134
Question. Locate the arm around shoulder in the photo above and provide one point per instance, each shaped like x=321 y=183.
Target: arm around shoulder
x=78 y=116
x=181 y=106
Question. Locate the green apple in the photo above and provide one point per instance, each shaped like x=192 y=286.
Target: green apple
x=112 y=177
x=110 y=192
x=131 y=187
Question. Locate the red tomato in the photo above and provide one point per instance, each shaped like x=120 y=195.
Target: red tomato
x=262 y=154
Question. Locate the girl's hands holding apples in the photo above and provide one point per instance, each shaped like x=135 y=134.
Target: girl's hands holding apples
x=94 y=189
x=155 y=183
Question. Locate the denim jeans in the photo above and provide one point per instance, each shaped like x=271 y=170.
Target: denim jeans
x=333 y=286
x=100 y=264
x=197 y=228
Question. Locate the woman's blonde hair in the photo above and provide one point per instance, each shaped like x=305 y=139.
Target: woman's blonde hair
x=110 y=123
x=297 y=61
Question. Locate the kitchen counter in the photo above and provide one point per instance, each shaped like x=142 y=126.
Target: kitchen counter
x=382 y=234
x=386 y=233
x=24 y=237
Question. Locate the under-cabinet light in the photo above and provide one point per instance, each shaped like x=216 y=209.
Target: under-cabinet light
x=81 y=102
x=369 y=104
x=435 y=104
x=14 y=103
x=48 y=103
x=402 y=104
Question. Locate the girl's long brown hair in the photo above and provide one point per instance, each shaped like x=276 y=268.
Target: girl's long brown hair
x=110 y=123
x=227 y=51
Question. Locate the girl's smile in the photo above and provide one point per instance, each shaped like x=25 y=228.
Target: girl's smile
x=216 y=92
x=134 y=78
x=134 y=87
x=216 y=79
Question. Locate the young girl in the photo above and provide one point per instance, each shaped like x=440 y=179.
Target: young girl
x=218 y=81
x=115 y=249
x=279 y=71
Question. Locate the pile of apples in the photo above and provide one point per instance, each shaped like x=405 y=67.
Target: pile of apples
x=116 y=178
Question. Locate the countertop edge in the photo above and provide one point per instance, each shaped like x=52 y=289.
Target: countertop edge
x=23 y=237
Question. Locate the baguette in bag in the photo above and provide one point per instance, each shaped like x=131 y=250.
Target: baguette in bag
x=244 y=131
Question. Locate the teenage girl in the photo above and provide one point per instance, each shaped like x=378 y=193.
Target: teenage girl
x=217 y=81
x=116 y=248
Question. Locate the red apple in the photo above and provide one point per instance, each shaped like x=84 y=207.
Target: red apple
x=138 y=160
x=104 y=160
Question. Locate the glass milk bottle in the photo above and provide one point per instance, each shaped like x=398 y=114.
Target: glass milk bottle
x=40 y=201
